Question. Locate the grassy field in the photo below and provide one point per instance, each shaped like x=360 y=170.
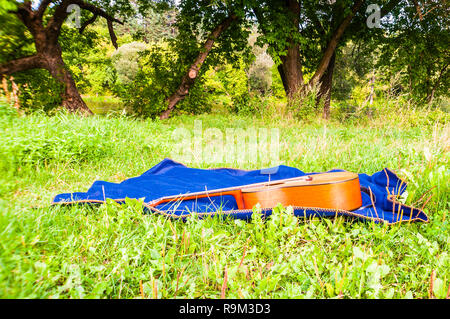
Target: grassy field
x=114 y=251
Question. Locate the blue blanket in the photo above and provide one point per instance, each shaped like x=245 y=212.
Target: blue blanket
x=172 y=178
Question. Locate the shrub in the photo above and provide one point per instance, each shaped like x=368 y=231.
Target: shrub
x=126 y=61
x=38 y=91
x=304 y=105
x=260 y=75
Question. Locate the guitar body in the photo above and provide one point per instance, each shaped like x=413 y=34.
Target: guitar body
x=340 y=190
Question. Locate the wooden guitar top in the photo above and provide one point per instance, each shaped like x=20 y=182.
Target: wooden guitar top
x=335 y=191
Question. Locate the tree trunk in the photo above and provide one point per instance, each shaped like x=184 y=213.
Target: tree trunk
x=325 y=87
x=189 y=78
x=290 y=68
x=50 y=58
x=48 y=52
x=71 y=98
x=333 y=43
x=290 y=71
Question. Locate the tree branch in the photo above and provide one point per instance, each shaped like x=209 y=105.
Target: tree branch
x=388 y=7
x=53 y=28
x=55 y=23
x=95 y=10
x=319 y=26
x=332 y=44
x=112 y=35
x=88 y=22
x=42 y=7
x=24 y=12
x=22 y=64
x=418 y=9
x=189 y=78
x=99 y=12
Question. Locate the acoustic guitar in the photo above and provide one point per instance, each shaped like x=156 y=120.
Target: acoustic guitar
x=339 y=190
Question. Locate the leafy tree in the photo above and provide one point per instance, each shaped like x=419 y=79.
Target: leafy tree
x=151 y=26
x=301 y=35
x=42 y=23
x=208 y=34
x=125 y=60
x=304 y=37
x=160 y=68
x=260 y=70
x=416 y=49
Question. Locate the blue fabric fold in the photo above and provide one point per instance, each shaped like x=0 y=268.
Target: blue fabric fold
x=378 y=191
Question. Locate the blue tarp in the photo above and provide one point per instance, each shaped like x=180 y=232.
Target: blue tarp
x=173 y=178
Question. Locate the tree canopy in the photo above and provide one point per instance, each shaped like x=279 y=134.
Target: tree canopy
x=304 y=39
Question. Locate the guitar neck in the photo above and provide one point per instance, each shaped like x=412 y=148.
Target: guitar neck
x=221 y=191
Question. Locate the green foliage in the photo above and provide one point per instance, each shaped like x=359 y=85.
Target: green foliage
x=38 y=91
x=277 y=87
x=151 y=27
x=126 y=61
x=260 y=75
x=251 y=86
x=304 y=105
x=6 y=5
x=87 y=57
x=159 y=76
x=232 y=84
x=354 y=62
x=15 y=41
x=197 y=19
x=416 y=52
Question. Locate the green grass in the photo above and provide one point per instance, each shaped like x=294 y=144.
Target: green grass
x=115 y=251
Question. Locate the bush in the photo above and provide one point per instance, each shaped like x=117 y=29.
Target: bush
x=260 y=75
x=228 y=85
x=38 y=91
x=304 y=105
x=126 y=61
